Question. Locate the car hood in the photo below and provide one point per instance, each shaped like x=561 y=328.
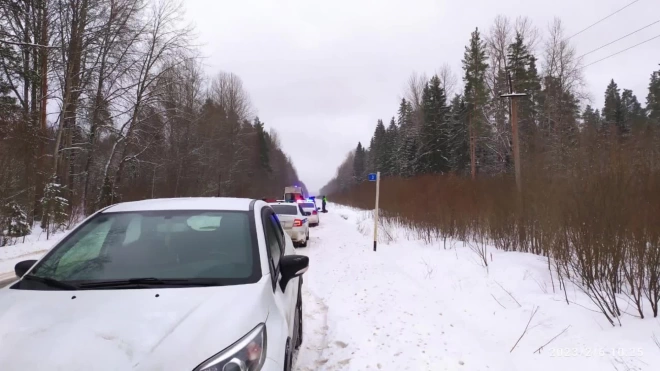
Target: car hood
x=142 y=329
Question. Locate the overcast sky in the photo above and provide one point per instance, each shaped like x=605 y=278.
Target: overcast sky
x=322 y=72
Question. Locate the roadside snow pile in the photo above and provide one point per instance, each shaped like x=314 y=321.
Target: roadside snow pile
x=423 y=307
x=34 y=247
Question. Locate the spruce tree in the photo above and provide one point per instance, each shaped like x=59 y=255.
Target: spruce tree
x=632 y=113
x=458 y=141
x=14 y=223
x=379 y=148
x=407 y=150
x=7 y=101
x=476 y=93
x=262 y=146
x=525 y=79
x=653 y=98
x=54 y=207
x=590 y=118
x=359 y=164
x=612 y=110
x=434 y=131
x=392 y=149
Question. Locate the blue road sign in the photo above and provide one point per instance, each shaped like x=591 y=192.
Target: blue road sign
x=372 y=177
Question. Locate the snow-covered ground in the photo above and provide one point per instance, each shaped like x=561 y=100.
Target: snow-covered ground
x=34 y=246
x=411 y=306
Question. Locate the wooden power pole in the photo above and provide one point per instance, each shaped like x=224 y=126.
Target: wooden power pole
x=473 y=148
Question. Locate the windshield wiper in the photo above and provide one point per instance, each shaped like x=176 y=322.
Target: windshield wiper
x=146 y=281
x=50 y=282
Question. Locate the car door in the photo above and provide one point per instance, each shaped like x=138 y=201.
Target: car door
x=284 y=300
x=305 y=221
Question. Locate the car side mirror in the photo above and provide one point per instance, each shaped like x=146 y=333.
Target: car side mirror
x=22 y=267
x=292 y=266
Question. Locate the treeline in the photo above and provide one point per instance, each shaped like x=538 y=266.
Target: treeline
x=105 y=101
x=590 y=178
x=440 y=130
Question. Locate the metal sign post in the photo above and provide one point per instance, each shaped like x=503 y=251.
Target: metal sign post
x=376 y=177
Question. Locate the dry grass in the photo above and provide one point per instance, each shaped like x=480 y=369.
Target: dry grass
x=597 y=220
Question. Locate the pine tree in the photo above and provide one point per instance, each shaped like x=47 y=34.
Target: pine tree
x=476 y=94
x=612 y=110
x=653 y=98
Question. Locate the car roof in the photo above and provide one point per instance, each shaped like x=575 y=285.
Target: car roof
x=191 y=203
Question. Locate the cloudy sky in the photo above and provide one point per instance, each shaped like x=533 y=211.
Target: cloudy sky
x=322 y=72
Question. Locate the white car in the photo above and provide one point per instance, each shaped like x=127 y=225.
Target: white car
x=206 y=284
x=294 y=221
x=310 y=207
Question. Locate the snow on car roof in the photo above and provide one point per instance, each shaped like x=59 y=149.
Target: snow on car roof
x=192 y=203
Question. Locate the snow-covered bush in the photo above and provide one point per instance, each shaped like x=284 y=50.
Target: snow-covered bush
x=13 y=223
x=54 y=206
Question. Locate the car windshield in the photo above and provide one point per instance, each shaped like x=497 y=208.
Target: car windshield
x=308 y=206
x=210 y=246
x=285 y=209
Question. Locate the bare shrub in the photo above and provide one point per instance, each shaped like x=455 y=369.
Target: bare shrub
x=595 y=219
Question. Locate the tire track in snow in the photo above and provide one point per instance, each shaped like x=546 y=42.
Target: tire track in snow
x=391 y=318
x=315 y=333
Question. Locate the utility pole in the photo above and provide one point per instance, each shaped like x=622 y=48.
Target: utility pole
x=375 y=177
x=41 y=163
x=473 y=148
x=376 y=210
x=514 y=134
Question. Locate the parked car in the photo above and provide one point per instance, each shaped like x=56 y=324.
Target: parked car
x=294 y=221
x=314 y=213
x=180 y=284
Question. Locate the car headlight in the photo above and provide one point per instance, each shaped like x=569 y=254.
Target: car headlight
x=247 y=354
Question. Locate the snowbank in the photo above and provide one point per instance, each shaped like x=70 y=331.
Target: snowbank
x=34 y=246
x=434 y=307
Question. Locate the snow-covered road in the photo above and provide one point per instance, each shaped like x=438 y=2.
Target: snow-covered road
x=411 y=306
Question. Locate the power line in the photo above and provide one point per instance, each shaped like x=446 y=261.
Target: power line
x=621 y=51
x=602 y=19
x=621 y=38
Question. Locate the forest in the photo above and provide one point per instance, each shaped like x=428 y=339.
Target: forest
x=103 y=101
x=588 y=193
x=438 y=129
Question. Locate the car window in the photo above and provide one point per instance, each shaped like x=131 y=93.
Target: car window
x=163 y=244
x=308 y=206
x=274 y=241
x=85 y=249
x=285 y=209
x=280 y=231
